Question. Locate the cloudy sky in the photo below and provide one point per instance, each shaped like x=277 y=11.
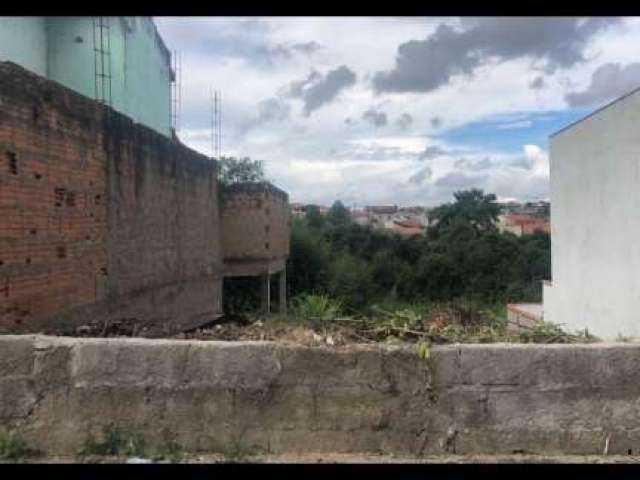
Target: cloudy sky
x=398 y=110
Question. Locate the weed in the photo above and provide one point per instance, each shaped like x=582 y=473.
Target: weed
x=545 y=332
x=169 y=450
x=315 y=307
x=14 y=447
x=423 y=350
x=116 y=441
x=239 y=453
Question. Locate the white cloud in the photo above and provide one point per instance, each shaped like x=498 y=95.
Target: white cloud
x=320 y=158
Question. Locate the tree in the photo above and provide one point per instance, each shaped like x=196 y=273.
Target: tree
x=308 y=262
x=314 y=218
x=473 y=207
x=350 y=280
x=233 y=170
x=338 y=215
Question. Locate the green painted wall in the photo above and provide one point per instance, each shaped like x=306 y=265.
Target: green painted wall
x=23 y=41
x=62 y=48
x=148 y=78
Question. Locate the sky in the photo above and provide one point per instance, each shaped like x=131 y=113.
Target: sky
x=398 y=110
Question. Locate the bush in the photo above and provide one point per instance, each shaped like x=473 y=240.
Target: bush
x=350 y=281
x=14 y=447
x=115 y=441
x=315 y=307
x=463 y=256
x=308 y=262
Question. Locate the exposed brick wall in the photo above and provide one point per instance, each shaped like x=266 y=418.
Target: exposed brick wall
x=165 y=247
x=256 y=222
x=100 y=218
x=52 y=230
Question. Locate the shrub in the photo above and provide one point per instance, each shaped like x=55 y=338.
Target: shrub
x=315 y=307
x=14 y=447
x=116 y=441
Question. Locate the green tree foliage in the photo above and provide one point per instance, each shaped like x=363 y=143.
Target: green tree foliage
x=239 y=170
x=471 y=207
x=308 y=262
x=350 y=281
x=463 y=256
x=338 y=215
x=314 y=218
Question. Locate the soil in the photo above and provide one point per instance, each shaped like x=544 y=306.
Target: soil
x=282 y=332
x=371 y=459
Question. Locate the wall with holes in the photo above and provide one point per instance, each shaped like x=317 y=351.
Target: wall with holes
x=256 y=222
x=101 y=219
x=52 y=212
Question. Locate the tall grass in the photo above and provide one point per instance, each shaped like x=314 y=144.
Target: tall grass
x=315 y=307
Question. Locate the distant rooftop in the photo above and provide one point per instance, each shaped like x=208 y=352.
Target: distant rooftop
x=382 y=208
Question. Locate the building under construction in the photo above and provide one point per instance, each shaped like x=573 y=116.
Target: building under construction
x=104 y=216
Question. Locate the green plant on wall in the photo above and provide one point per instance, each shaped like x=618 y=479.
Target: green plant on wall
x=127 y=442
x=423 y=350
x=116 y=441
x=14 y=447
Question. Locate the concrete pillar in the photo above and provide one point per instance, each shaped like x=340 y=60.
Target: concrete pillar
x=282 y=291
x=266 y=292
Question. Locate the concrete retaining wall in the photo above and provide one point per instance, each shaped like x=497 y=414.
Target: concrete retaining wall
x=276 y=398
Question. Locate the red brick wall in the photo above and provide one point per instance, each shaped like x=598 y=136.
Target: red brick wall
x=52 y=208
x=256 y=222
x=100 y=218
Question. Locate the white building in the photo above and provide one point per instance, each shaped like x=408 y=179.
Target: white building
x=595 y=222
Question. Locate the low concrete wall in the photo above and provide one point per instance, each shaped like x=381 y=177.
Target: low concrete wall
x=276 y=398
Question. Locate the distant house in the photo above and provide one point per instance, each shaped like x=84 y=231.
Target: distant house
x=418 y=214
x=520 y=224
x=408 y=227
x=360 y=217
x=298 y=210
x=539 y=209
x=381 y=216
x=403 y=220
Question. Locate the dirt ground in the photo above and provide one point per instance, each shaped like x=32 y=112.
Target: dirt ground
x=398 y=327
x=282 y=332
x=371 y=459
x=338 y=334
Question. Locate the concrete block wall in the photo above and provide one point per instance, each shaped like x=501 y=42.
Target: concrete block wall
x=256 y=222
x=282 y=399
x=100 y=218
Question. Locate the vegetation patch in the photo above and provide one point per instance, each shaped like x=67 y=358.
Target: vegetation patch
x=13 y=447
x=127 y=442
x=318 y=320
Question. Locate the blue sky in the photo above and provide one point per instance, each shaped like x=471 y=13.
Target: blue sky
x=399 y=110
x=508 y=133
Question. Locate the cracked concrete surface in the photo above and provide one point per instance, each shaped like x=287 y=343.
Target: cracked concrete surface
x=279 y=399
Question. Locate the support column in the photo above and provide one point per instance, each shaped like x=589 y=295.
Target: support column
x=266 y=292
x=282 y=291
